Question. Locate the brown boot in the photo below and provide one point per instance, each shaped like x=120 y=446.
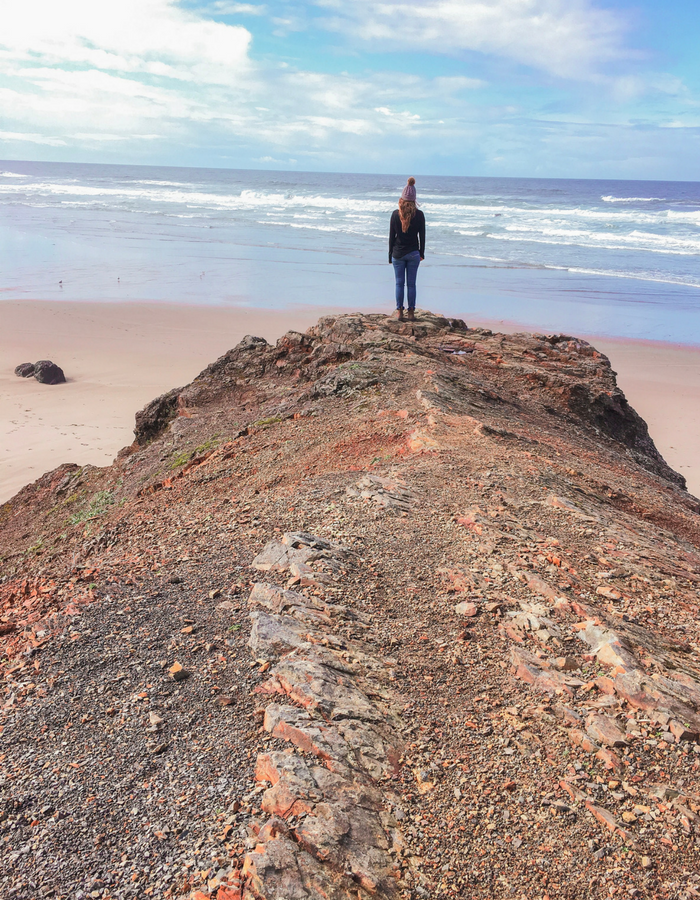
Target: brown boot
x=411 y=315
x=399 y=315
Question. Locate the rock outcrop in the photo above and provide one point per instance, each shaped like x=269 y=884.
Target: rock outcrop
x=156 y=416
x=343 y=356
x=331 y=827
x=385 y=610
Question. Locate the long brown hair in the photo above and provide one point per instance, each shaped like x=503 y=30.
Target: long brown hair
x=407 y=210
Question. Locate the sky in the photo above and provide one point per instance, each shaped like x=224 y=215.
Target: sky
x=542 y=88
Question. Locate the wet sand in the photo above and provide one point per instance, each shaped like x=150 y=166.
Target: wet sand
x=118 y=357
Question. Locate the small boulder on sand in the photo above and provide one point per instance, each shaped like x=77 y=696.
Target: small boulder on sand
x=25 y=370
x=48 y=372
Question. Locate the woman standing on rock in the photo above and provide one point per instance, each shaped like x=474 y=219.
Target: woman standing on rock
x=406 y=248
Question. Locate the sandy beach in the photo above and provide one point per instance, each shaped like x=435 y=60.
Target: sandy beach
x=662 y=382
x=117 y=357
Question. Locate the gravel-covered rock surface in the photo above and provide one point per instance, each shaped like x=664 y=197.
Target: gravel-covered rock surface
x=519 y=614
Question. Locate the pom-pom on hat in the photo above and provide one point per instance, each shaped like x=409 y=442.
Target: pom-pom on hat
x=409 y=192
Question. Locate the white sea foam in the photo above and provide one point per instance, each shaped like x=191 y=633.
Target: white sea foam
x=602 y=246
x=161 y=183
x=610 y=199
x=312 y=227
x=12 y=175
x=687 y=281
x=496 y=259
x=678 y=280
x=691 y=218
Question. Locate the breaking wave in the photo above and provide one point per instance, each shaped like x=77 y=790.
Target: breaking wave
x=570 y=226
x=610 y=199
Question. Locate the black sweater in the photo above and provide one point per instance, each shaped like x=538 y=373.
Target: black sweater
x=400 y=242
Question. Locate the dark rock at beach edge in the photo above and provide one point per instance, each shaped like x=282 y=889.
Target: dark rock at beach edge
x=48 y=372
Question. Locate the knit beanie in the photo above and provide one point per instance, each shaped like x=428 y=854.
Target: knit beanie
x=409 y=192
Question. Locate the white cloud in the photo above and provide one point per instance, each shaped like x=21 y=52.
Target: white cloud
x=78 y=80
x=90 y=136
x=31 y=138
x=632 y=86
x=85 y=72
x=567 y=38
x=272 y=161
x=224 y=8
x=154 y=37
x=407 y=117
x=88 y=73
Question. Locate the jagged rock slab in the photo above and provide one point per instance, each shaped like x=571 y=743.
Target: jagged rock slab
x=327 y=691
x=280 y=870
x=609 y=648
x=303 y=556
x=331 y=829
x=384 y=492
x=280 y=600
x=272 y=636
x=343 y=823
x=538 y=673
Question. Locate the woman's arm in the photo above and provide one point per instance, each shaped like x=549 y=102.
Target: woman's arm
x=421 y=236
x=392 y=235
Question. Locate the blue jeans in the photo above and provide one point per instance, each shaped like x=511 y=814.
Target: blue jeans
x=405 y=270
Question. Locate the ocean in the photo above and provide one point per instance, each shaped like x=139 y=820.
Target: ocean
x=618 y=258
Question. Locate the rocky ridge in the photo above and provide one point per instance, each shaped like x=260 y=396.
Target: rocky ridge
x=473 y=666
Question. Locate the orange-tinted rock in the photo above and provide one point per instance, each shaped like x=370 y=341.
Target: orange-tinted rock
x=265 y=768
x=540 y=586
x=573 y=792
x=608 y=820
x=567 y=663
x=681 y=733
x=562 y=503
x=570 y=716
x=466 y=608
x=177 y=673
x=605 y=685
x=281 y=800
x=526 y=673
x=630 y=688
x=226 y=892
x=611 y=593
x=609 y=759
x=605 y=730
x=580 y=739
x=292 y=725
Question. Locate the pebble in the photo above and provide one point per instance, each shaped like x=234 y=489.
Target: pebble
x=177 y=672
x=467 y=609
